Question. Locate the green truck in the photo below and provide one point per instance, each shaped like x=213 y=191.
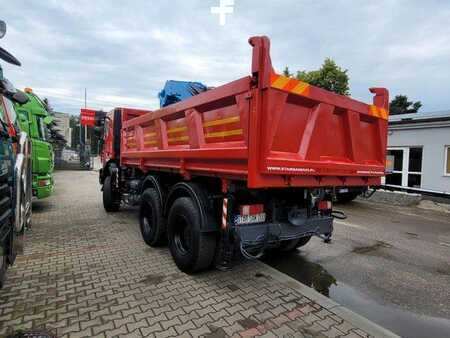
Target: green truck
x=34 y=120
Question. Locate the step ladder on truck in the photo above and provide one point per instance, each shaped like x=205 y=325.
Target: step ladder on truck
x=249 y=167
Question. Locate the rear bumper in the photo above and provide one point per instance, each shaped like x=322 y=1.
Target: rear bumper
x=271 y=234
x=42 y=191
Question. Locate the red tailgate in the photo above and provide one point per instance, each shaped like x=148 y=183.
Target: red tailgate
x=307 y=136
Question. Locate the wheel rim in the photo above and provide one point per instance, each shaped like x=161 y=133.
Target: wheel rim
x=182 y=236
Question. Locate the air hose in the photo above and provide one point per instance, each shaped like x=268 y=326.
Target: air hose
x=338 y=214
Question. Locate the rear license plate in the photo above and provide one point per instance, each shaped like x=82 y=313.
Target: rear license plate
x=343 y=190
x=250 y=219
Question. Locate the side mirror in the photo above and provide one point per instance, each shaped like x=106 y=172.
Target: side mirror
x=48 y=120
x=8 y=90
x=19 y=97
x=2 y=28
x=8 y=57
x=4 y=54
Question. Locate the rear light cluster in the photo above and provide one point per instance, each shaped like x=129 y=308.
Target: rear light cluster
x=325 y=206
x=43 y=183
x=251 y=209
x=250 y=214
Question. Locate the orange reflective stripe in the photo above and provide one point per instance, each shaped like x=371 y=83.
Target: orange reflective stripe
x=300 y=88
x=280 y=82
x=373 y=111
x=378 y=112
x=224 y=133
x=219 y=122
x=288 y=84
x=176 y=129
x=384 y=113
x=178 y=139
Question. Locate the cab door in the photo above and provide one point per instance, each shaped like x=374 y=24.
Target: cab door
x=6 y=203
x=6 y=172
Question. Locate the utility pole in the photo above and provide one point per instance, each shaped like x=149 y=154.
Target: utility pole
x=85 y=127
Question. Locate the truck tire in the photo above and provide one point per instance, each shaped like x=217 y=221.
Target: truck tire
x=293 y=244
x=151 y=220
x=3 y=267
x=111 y=199
x=191 y=249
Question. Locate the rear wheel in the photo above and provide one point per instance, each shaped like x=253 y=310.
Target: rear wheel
x=293 y=244
x=153 y=225
x=111 y=197
x=3 y=266
x=191 y=249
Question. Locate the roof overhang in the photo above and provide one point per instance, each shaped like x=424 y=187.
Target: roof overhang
x=442 y=122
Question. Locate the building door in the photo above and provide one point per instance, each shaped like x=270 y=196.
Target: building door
x=407 y=167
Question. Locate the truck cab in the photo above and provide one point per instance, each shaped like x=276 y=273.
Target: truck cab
x=6 y=197
x=33 y=119
x=15 y=170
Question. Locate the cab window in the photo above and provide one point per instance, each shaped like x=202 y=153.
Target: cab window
x=2 y=116
x=106 y=128
x=41 y=128
x=10 y=110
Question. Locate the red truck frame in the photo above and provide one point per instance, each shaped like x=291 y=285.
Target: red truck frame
x=248 y=166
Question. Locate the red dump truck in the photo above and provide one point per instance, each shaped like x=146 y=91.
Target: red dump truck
x=250 y=166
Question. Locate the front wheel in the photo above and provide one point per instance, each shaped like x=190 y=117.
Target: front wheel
x=191 y=249
x=111 y=197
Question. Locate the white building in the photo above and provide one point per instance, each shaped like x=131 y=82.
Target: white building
x=420 y=144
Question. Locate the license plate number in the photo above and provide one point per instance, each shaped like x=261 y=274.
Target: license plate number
x=250 y=219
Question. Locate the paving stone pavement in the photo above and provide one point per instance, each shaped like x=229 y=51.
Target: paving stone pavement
x=86 y=273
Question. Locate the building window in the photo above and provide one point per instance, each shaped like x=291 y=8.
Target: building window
x=447 y=160
x=407 y=171
x=415 y=160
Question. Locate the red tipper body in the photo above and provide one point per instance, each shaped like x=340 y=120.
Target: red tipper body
x=266 y=129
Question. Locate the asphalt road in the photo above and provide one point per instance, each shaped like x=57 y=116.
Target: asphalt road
x=390 y=264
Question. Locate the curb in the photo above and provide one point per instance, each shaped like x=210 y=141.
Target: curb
x=353 y=318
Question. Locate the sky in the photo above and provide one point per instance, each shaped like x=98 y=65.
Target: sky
x=123 y=52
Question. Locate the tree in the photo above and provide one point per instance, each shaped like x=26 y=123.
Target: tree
x=329 y=76
x=401 y=105
x=55 y=137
